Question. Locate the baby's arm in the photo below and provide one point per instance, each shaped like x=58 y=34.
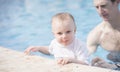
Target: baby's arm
x=42 y=49
x=78 y=61
x=66 y=60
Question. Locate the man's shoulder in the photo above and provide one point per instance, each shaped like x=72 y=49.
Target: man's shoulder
x=98 y=28
x=95 y=34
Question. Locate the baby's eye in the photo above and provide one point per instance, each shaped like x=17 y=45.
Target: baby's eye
x=59 y=33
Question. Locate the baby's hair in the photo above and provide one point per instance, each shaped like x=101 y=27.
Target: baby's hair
x=63 y=16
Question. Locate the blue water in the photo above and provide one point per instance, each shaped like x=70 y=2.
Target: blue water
x=26 y=23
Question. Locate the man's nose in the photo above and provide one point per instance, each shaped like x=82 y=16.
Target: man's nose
x=100 y=9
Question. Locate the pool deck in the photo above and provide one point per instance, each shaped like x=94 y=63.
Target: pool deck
x=14 y=61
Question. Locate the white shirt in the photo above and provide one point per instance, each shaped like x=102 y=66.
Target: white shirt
x=75 y=50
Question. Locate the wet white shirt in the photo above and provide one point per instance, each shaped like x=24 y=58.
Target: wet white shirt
x=75 y=50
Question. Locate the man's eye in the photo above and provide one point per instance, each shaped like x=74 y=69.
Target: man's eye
x=68 y=31
x=103 y=6
x=97 y=7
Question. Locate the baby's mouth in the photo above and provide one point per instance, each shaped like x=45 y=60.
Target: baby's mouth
x=65 y=41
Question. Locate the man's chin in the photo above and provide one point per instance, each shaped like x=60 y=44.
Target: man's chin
x=105 y=19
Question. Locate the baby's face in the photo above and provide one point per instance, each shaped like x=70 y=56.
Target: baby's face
x=64 y=32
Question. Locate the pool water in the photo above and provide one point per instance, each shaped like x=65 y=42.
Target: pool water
x=26 y=23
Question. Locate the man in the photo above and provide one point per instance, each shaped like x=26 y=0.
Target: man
x=107 y=33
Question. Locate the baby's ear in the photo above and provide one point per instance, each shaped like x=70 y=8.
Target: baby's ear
x=75 y=30
x=52 y=32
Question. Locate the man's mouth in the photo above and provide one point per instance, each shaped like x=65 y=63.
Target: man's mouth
x=105 y=15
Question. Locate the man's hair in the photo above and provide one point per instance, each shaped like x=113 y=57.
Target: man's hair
x=113 y=1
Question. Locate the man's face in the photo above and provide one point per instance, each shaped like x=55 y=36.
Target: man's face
x=106 y=9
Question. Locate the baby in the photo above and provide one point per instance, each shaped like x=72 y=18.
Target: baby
x=66 y=48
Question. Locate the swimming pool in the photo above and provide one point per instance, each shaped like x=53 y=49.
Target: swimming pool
x=26 y=23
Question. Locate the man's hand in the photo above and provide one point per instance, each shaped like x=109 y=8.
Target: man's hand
x=101 y=63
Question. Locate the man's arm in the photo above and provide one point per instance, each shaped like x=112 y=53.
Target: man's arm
x=91 y=43
x=93 y=39
x=102 y=63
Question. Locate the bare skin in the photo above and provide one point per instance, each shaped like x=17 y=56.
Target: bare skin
x=63 y=28
x=106 y=36
x=107 y=33
x=42 y=49
x=101 y=63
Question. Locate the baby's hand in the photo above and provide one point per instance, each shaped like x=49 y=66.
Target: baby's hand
x=63 y=61
x=30 y=49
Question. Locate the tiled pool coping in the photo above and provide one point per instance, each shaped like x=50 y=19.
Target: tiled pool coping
x=14 y=61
